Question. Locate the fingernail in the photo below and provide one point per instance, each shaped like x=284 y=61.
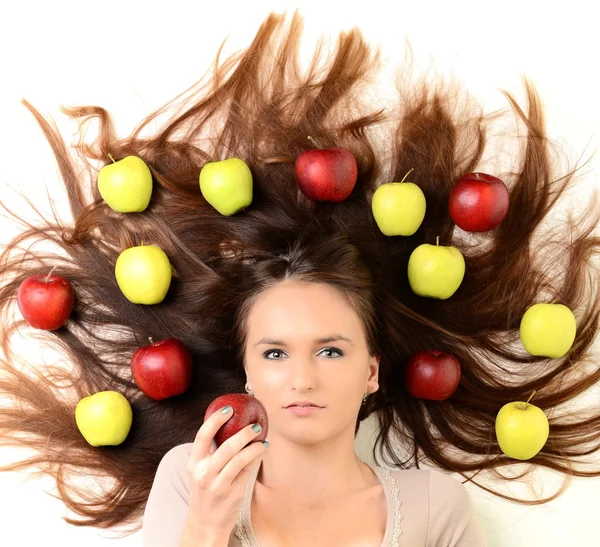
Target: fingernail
x=257 y=428
x=226 y=410
x=265 y=443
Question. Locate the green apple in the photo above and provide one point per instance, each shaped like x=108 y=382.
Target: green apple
x=126 y=185
x=143 y=274
x=227 y=185
x=435 y=271
x=398 y=208
x=548 y=330
x=521 y=430
x=104 y=419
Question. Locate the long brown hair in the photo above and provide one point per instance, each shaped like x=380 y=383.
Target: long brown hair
x=259 y=107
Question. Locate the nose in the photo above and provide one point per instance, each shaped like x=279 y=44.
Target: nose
x=303 y=375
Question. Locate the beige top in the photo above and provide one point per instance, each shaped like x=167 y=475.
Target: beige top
x=425 y=508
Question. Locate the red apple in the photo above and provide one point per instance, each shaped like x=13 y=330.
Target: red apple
x=326 y=174
x=46 y=301
x=246 y=410
x=478 y=202
x=433 y=375
x=162 y=369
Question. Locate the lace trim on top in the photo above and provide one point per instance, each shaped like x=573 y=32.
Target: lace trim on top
x=242 y=533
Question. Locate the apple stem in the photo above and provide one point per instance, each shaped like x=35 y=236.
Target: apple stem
x=437 y=240
x=113 y=159
x=534 y=392
x=313 y=141
x=150 y=338
x=50 y=273
x=412 y=169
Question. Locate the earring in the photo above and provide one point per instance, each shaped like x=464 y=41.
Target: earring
x=247 y=388
x=365 y=398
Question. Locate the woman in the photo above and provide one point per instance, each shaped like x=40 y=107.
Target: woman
x=309 y=487
x=295 y=269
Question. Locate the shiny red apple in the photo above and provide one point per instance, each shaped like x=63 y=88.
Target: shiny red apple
x=247 y=410
x=326 y=174
x=162 y=369
x=433 y=375
x=45 y=301
x=478 y=202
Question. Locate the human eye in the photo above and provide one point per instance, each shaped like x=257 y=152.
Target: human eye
x=335 y=350
x=271 y=351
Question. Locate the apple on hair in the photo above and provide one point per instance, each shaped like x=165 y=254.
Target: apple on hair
x=435 y=271
x=478 y=202
x=45 y=301
x=227 y=185
x=326 y=174
x=162 y=369
x=126 y=185
x=143 y=273
x=522 y=429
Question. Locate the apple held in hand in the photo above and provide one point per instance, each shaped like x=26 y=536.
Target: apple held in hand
x=143 y=274
x=478 y=202
x=522 y=429
x=46 y=301
x=548 y=330
x=326 y=174
x=246 y=410
x=126 y=185
x=398 y=208
x=432 y=375
x=162 y=369
x=227 y=185
x=104 y=419
x=435 y=271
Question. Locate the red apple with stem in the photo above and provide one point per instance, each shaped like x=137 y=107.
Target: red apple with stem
x=162 y=369
x=478 y=202
x=246 y=410
x=46 y=301
x=432 y=374
x=326 y=174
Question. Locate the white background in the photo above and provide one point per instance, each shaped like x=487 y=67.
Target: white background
x=131 y=57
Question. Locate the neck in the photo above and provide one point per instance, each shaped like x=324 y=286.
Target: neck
x=313 y=472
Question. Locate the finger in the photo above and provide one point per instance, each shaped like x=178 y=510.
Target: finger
x=206 y=434
x=230 y=448
x=241 y=466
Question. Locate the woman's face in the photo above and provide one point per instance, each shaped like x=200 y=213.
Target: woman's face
x=287 y=359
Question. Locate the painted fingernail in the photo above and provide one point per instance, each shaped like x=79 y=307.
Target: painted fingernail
x=226 y=410
x=257 y=428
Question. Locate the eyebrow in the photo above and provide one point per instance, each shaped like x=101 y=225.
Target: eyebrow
x=327 y=339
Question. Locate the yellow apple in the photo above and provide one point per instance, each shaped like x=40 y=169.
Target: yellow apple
x=398 y=208
x=143 y=274
x=126 y=185
x=522 y=430
x=548 y=330
x=104 y=419
x=227 y=185
x=435 y=271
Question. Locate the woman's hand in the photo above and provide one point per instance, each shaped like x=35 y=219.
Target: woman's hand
x=218 y=477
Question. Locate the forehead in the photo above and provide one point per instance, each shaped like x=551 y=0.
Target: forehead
x=296 y=310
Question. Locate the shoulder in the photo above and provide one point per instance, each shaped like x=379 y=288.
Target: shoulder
x=453 y=519
x=445 y=488
x=173 y=467
x=443 y=503
x=440 y=487
x=176 y=457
